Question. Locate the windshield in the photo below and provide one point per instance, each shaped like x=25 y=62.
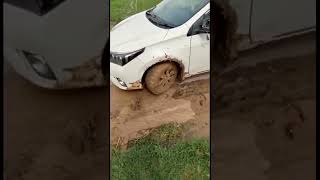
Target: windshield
x=173 y=13
x=39 y=7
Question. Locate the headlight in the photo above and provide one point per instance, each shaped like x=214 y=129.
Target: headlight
x=39 y=65
x=121 y=82
x=124 y=58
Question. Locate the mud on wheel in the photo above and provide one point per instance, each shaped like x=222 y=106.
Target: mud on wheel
x=161 y=77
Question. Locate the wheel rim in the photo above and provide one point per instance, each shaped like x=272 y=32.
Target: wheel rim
x=166 y=78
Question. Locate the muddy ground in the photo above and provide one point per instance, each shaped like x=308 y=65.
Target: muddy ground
x=54 y=135
x=263 y=125
x=264 y=121
x=133 y=114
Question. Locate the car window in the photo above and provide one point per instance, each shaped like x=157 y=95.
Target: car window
x=206 y=19
x=177 y=12
x=198 y=24
x=39 y=7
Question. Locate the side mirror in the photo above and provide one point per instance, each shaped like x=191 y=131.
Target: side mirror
x=201 y=26
x=205 y=26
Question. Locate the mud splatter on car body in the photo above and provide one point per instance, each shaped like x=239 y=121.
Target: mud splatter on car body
x=86 y=74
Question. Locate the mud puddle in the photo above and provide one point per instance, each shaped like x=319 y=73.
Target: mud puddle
x=134 y=113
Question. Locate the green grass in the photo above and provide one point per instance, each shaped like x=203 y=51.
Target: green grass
x=121 y=9
x=162 y=155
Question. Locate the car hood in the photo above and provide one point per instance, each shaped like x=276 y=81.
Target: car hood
x=134 y=33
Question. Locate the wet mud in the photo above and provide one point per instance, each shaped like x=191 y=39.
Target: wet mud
x=135 y=112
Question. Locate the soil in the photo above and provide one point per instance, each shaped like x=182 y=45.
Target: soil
x=264 y=121
x=50 y=134
x=134 y=113
x=263 y=125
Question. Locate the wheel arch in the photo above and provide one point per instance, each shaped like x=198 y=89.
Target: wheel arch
x=177 y=62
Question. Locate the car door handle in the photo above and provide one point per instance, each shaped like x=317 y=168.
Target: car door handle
x=208 y=37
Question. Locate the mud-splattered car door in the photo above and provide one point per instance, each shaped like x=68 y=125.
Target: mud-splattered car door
x=274 y=18
x=200 y=48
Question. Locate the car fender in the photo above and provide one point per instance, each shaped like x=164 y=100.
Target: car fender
x=159 y=56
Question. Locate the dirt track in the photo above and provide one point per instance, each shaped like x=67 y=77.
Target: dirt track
x=264 y=124
x=134 y=113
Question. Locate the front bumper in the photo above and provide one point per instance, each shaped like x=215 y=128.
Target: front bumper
x=117 y=83
x=126 y=77
x=22 y=67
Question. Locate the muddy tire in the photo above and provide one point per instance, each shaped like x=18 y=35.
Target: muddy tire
x=161 y=77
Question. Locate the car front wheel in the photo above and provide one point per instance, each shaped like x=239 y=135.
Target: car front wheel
x=161 y=77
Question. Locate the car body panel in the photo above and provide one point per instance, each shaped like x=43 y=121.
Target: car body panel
x=272 y=18
x=174 y=49
x=19 y=63
x=199 y=54
x=69 y=35
x=142 y=33
x=199 y=50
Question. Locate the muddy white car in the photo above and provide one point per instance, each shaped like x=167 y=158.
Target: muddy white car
x=171 y=41
x=56 y=44
x=157 y=46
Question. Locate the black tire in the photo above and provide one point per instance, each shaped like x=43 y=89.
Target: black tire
x=161 y=77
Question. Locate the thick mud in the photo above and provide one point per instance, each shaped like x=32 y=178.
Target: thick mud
x=264 y=120
x=264 y=125
x=53 y=135
x=134 y=113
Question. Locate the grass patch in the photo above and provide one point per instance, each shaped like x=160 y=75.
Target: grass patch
x=162 y=155
x=121 y=9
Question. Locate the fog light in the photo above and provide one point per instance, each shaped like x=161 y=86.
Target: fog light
x=39 y=65
x=121 y=82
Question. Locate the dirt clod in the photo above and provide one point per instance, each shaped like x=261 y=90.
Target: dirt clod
x=136 y=104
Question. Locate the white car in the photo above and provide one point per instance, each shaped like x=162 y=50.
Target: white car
x=157 y=46
x=56 y=44
x=171 y=41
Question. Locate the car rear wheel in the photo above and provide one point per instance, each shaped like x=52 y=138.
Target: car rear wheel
x=161 y=77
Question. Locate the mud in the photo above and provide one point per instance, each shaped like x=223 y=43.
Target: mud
x=86 y=74
x=54 y=135
x=265 y=116
x=181 y=69
x=263 y=126
x=134 y=113
x=136 y=85
x=264 y=121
